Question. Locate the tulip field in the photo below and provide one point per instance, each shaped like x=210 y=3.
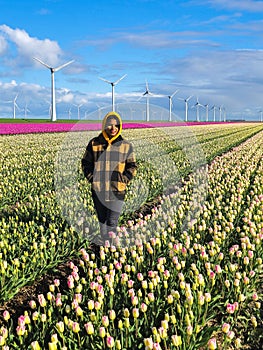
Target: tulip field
x=184 y=269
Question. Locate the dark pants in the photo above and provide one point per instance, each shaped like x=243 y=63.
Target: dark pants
x=108 y=213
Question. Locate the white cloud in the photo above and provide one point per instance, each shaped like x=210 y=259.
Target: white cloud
x=7 y=86
x=67 y=98
x=28 y=47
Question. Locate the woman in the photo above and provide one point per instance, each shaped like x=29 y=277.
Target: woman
x=109 y=165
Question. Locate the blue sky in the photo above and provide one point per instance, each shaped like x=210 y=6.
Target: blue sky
x=210 y=49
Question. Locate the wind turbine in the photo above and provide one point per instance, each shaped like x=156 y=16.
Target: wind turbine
x=113 y=84
x=49 y=109
x=69 y=113
x=53 y=98
x=261 y=115
x=197 y=105
x=171 y=104
x=78 y=106
x=220 y=113
x=147 y=93
x=224 y=114
x=186 y=106
x=99 y=110
x=26 y=110
x=15 y=106
x=207 y=112
x=132 y=111
x=214 y=109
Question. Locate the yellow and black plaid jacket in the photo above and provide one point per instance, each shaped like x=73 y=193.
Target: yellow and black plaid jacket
x=109 y=167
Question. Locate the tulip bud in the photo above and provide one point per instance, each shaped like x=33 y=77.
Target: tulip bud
x=89 y=328
x=110 y=341
x=226 y=327
x=126 y=312
x=60 y=326
x=6 y=315
x=176 y=340
x=102 y=332
x=212 y=345
x=135 y=312
x=105 y=321
x=112 y=315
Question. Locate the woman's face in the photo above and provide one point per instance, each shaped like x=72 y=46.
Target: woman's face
x=111 y=127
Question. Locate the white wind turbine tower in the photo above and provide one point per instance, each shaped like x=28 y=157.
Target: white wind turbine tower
x=224 y=114
x=113 y=84
x=214 y=109
x=69 y=113
x=171 y=104
x=26 y=110
x=147 y=93
x=186 y=106
x=53 y=97
x=197 y=105
x=206 y=112
x=15 y=106
x=78 y=107
x=220 y=113
x=132 y=112
x=99 y=111
x=261 y=115
x=49 y=109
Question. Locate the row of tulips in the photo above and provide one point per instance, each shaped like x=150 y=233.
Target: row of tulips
x=186 y=276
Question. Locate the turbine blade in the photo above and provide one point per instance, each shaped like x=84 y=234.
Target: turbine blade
x=44 y=64
x=116 y=82
x=17 y=106
x=107 y=81
x=147 y=86
x=63 y=66
x=174 y=93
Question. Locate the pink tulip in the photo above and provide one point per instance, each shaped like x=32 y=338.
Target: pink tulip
x=212 y=345
x=89 y=328
x=226 y=327
x=70 y=282
x=110 y=342
x=42 y=300
x=6 y=315
x=105 y=321
x=20 y=330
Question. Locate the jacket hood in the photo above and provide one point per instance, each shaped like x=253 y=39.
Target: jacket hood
x=110 y=115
